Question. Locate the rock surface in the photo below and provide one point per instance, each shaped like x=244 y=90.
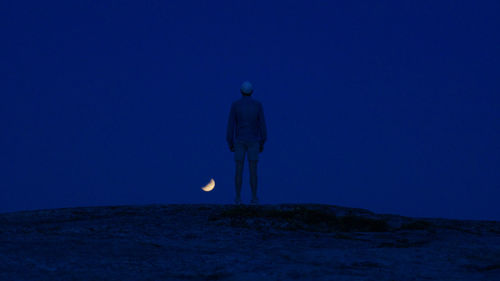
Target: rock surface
x=228 y=242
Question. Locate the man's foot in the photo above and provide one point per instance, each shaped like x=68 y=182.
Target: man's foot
x=254 y=201
x=237 y=201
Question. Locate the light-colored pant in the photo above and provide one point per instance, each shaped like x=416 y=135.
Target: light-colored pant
x=246 y=147
x=240 y=148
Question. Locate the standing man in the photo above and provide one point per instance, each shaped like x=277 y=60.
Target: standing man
x=246 y=134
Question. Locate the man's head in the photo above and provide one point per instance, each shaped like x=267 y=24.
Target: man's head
x=246 y=88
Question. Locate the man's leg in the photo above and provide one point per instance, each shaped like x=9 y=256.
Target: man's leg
x=253 y=179
x=238 y=178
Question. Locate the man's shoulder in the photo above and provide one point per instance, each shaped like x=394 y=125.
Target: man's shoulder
x=255 y=101
x=242 y=101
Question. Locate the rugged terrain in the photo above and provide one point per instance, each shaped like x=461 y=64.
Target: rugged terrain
x=228 y=242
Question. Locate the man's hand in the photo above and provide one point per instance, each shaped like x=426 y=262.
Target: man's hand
x=231 y=147
x=261 y=147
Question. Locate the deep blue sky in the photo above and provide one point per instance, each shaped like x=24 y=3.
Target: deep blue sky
x=392 y=106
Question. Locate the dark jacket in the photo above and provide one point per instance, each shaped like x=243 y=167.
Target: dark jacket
x=246 y=121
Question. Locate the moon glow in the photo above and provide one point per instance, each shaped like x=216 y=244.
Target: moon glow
x=209 y=186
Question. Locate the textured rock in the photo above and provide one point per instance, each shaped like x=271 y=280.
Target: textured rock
x=227 y=242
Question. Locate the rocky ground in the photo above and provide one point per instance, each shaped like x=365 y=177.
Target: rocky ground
x=227 y=242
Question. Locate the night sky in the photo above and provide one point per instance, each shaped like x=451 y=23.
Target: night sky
x=393 y=106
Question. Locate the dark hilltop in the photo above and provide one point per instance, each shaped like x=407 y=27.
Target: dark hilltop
x=229 y=242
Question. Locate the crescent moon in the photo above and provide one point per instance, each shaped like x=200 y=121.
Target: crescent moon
x=209 y=186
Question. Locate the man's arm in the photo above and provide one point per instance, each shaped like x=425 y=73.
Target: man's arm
x=230 y=127
x=262 y=126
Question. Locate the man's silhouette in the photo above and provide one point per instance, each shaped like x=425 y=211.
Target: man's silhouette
x=246 y=134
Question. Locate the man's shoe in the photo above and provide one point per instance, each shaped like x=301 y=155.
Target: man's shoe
x=237 y=201
x=254 y=201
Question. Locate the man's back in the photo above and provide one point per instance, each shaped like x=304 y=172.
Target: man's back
x=246 y=121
